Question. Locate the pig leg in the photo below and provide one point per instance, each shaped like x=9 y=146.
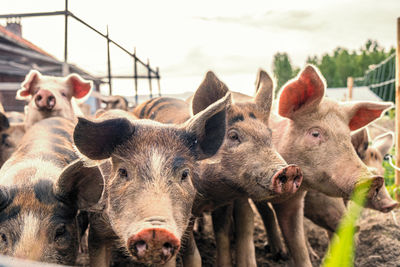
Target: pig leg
x=222 y=225
x=275 y=242
x=244 y=226
x=99 y=251
x=290 y=218
x=191 y=255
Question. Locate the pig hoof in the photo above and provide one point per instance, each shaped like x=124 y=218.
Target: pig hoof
x=280 y=256
x=276 y=256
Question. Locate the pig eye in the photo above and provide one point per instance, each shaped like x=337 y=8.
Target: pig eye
x=60 y=232
x=185 y=174
x=4 y=238
x=63 y=94
x=315 y=133
x=5 y=141
x=123 y=173
x=234 y=136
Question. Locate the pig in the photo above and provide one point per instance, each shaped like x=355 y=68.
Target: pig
x=233 y=175
x=52 y=96
x=114 y=102
x=149 y=186
x=313 y=132
x=42 y=187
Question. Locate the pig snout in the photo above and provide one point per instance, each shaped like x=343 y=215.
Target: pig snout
x=388 y=206
x=153 y=245
x=45 y=100
x=287 y=180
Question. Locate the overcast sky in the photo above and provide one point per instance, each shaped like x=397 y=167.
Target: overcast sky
x=187 y=38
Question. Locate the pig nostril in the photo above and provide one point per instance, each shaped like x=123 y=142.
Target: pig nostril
x=167 y=250
x=140 y=248
x=39 y=97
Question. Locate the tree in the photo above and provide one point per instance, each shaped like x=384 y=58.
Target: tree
x=282 y=69
x=342 y=63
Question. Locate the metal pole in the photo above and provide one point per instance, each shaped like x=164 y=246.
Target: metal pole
x=158 y=81
x=397 y=173
x=109 y=63
x=149 y=77
x=135 y=76
x=65 y=70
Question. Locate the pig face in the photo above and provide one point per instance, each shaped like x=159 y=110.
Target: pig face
x=38 y=221
x=114 y=102
x=51 y=96
x=372 y=156
x=150 y=190
x=10 y=134
x=316 y=135
x=248 y=158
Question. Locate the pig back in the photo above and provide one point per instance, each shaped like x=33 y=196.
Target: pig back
x=43 y=152
x=164 y=110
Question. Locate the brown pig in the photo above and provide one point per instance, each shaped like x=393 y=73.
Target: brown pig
x=314 y=132
x=42 y=186
x=150 y=191
x=247 y=165
x=51 y=96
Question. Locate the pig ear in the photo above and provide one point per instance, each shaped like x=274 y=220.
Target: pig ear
x=384 y=142
x=264 y=95
x=80 y=185
x=27 y=85
x=80 y=86
x=206 y=130
x=98 y=140
x=304 y=92
x=360 y=141
x=209 y=91
x=361 y=114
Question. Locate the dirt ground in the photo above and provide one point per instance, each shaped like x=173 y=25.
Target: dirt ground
x=378 y=243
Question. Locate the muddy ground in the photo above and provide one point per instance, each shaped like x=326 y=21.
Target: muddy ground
x=378 y=243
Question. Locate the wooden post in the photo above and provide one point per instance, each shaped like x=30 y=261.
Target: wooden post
x=135 y=76
x=109 y=63
x=158 y=81
x=149 y=77
x=350 y=83
x=397 y=173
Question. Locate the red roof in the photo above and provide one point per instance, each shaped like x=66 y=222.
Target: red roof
x=21 y=41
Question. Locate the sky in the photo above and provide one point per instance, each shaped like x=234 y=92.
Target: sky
x=185 y=39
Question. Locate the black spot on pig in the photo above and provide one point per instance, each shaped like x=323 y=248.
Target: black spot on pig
x=44 y=191
x=236 y=119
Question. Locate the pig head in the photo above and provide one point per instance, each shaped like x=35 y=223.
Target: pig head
x=373 y=155
x=51 y=96
x=315 y=134
x=150 y=191
x=248 y=161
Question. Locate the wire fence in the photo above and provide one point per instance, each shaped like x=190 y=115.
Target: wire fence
x=141 y=70
x=381 y=79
